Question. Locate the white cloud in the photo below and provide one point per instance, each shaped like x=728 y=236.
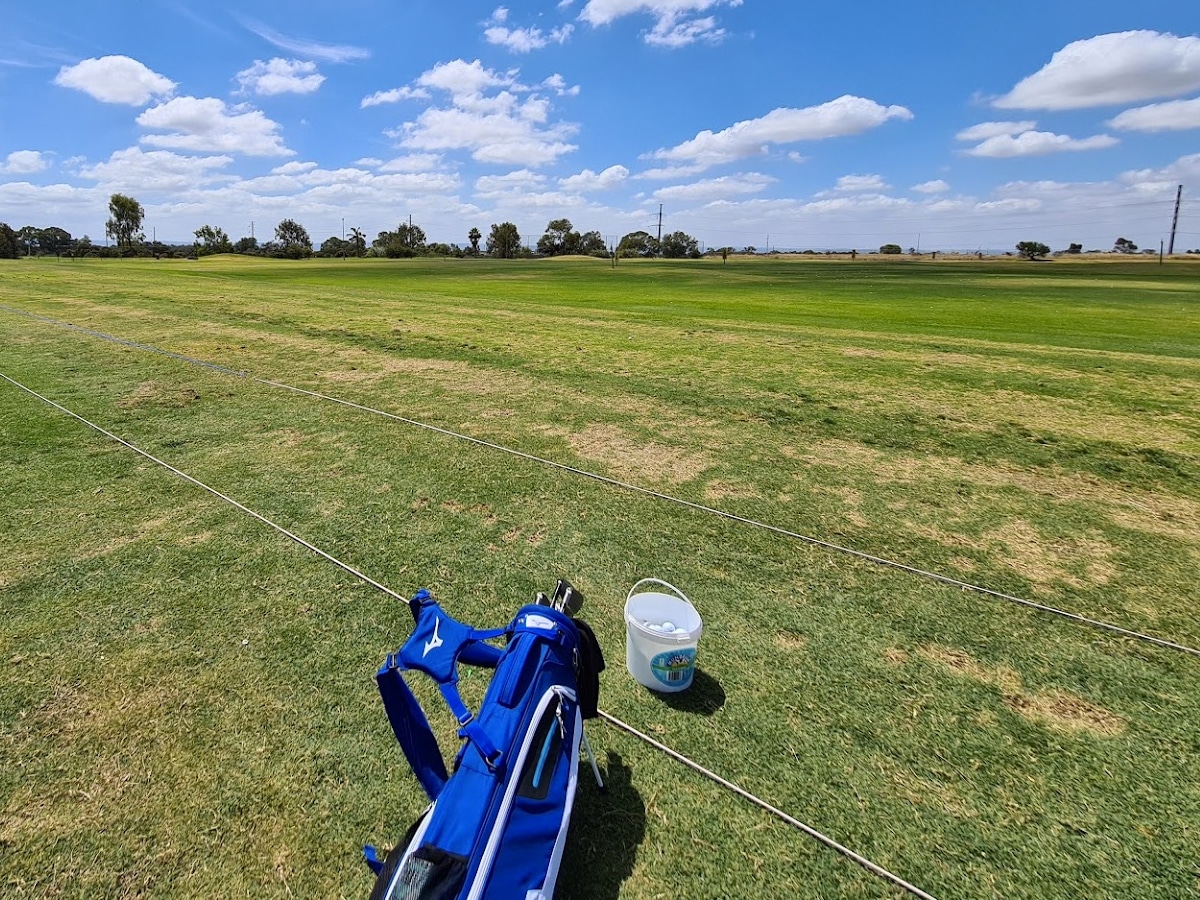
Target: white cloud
x=985 y=130
x=501 y=128
x=280 y=76
x=1037 y=143
x=587 y=180
x=522 y=179
x=558 y=84
x=115 y=79
x=674 y=24
x=711 y=189
x=666 y=173
x=209 y=125
x=937 y=186
x=413 y=162
x=336 y=53
x=158 y=170
x=370 y=161
x=522 y=40
x=1175 y=115
x=1184 y=169
x=395 y=95
x=850 y=183
x=674 y=33
x=294 y=168
x=347 y=181
x=846 y=115
x=24 y=162
x=464 y=79
x=1109 y=69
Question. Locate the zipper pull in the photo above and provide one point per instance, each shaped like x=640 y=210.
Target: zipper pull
x=562 y=725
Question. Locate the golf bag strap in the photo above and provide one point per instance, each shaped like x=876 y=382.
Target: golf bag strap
x=467 y=726
x=411 y=728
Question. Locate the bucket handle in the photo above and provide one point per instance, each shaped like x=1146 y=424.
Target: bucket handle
x=657 y=581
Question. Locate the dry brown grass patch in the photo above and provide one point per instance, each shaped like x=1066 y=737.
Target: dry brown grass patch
x=791 y=641
x=727 y=490
x=1076 y=562
x=895 y=656
x=1061 y=709
x=152 y=394
x=635 y=459
x=1056 y=708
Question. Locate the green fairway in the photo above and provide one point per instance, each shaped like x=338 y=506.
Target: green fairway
x=188 y=706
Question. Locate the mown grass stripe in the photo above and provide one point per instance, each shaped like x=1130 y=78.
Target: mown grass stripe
x=700 y=507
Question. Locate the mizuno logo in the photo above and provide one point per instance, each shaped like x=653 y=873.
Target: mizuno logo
x=434 y=642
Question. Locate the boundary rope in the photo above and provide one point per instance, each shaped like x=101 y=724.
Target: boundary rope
x=699 y=507
x=874 y=868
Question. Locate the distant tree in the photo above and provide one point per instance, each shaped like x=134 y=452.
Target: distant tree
x=638 y=243
x=54 y=241
x=560 y=238
x=29 y=238
x=1124 y=246
x=679 y=245
x=750 y=250
x=474 y=237
x=504 y=241
x=891 y=249
x=9 y=248
x=125 y=222
x=406 y=241
x=292 y=240
x=211 y=240
x=246 y=245
x=409 y=240
x=358 y=242
x=591 y=243
x=1032 y=249
x=1074 y=248
x=336 y=247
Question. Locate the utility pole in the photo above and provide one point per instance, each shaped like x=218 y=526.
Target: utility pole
x=660 y=228
x=1175 y=220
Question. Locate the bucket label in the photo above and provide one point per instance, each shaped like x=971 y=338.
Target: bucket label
x=674 y=668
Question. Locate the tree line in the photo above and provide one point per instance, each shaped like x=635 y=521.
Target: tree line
x=292 y=241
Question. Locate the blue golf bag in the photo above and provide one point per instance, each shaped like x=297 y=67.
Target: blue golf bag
x=497 y=826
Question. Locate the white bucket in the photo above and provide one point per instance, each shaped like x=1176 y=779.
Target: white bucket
x=660 y=660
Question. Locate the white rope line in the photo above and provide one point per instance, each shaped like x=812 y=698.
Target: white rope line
x=200 y=484
x=637 y=489
x=829 y=842
x=795 y=823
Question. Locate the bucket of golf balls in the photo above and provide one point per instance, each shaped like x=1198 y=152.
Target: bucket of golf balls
x=662 y=634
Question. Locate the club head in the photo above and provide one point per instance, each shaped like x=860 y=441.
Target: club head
x=567 y=598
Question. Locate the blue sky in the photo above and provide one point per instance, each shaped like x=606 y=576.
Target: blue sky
x=752 y=122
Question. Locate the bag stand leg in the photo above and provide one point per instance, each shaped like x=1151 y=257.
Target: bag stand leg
x=592 y=759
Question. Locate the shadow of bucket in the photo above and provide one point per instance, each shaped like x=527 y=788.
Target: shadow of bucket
x=661 y=660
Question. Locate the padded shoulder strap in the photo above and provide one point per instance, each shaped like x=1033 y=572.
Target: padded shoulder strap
x=411 y=728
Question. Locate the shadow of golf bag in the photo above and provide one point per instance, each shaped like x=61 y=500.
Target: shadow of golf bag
x=497 y=826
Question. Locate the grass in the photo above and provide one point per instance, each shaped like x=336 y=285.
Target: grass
x=188 y=709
